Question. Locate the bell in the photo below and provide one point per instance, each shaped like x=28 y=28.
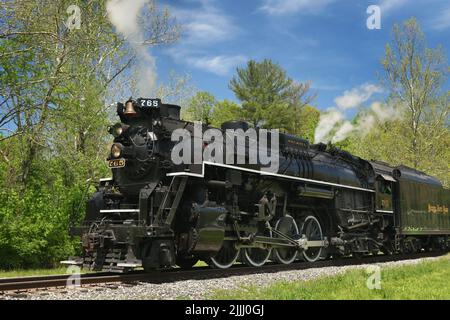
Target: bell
x=129 y=109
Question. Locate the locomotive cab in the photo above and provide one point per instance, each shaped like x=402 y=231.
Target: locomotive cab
x=385 y=187
x=384 y=193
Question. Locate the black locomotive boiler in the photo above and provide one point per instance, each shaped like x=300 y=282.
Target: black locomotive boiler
x=323 y=202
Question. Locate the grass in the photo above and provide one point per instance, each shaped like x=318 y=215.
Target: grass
x=426 y=280
x=32 y=272
x=201 y=264
x=44 y=272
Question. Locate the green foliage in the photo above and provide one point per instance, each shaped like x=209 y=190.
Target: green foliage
x=34 y=221
x=269 y=97
x=34 y=272
x=225 y=110
x=415 y=75
x=389 y=142
x=204 y=107
x=201 y=107
x=56 y=86
x=306 y=122
x=35 y=225
x=419 y=136
x=426 y=280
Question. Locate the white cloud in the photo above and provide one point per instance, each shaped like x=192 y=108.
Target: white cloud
x=205 y=25
x=389 y=5
x=282 y=7
x=220 y=65
x=203 y=28
x=442 y=20
x=356 y=96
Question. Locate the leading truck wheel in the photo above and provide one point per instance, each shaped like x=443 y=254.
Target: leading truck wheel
x=313 y=231
x=226 y=256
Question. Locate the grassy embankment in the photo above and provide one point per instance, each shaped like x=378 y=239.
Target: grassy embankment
x=426 y=280
x=44 y=272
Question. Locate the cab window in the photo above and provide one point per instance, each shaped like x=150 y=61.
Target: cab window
x=385 y=187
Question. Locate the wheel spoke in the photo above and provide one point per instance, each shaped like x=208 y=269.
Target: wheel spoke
x=226 y=256
x=288 y=226
x=313 y=232
x=257 y=257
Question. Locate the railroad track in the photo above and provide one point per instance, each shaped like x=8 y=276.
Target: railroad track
x=22 y=284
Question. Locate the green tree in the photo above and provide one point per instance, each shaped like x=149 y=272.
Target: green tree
x=204 y=107
x=269 y=97
x=225 y=110
x=414 y=75
x=56 y=86
x=419 y=136
x=201 y=107
x=305 y=122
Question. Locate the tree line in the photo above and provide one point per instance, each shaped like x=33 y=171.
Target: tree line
x=57 y=87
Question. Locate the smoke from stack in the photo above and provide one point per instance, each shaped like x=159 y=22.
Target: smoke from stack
x=124 y=15
x=334 y=128
x=326 y=124
x=343 y=132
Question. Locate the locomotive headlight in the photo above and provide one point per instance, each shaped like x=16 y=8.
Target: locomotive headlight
x=116 y=150
x=118 y=129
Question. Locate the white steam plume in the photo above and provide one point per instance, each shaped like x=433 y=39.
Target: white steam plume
x=332 y=126
x=332 y=121
x=384 y=112
x=326 y=124
x=343 y=132
x=378 y=113
x=124 y=15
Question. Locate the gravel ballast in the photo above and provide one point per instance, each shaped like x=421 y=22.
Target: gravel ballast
x=200 y=289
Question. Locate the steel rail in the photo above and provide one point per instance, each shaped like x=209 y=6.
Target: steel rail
x=197 y=273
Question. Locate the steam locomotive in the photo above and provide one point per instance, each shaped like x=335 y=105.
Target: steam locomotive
x=321 y=203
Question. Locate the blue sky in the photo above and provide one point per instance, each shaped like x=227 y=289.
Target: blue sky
x=324 y=41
